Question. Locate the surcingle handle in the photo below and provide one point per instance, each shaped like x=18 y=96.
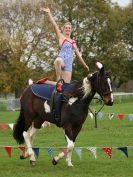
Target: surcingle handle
x=59 y=85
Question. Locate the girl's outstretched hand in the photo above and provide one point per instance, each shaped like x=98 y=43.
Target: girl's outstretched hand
x=87 y=68
x=45 y=9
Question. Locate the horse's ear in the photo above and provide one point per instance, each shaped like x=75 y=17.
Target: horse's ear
x=100 y=67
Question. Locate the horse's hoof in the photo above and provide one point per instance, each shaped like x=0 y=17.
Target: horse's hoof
x=22 y=157
x=70 y=165
x=32 y=163
x=54 y=162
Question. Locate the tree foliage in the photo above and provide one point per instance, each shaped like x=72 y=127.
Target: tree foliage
x=28 y=44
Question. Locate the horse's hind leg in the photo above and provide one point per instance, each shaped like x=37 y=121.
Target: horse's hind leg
x=28 y=136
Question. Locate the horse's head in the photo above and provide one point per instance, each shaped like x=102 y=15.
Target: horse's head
x=101 y=83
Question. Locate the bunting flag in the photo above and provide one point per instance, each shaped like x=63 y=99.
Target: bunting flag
x=93 y=151
x=3 y=126
x=36 y=150
x=8 y=150
x=111 y=115
x=124 y=150
x=100 y=115
x=78 y=150
x=22 y=148
x=50 y=151
x=11 y=126
x=120 y=116
x=130 y=117
x=64 y=152
x=46 y=124
x=91 y=115
x=108 y=151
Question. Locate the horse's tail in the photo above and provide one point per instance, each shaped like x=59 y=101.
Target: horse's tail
x=19 y=128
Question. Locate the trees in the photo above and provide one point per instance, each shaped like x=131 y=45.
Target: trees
x=21 y=33
x=28 y=44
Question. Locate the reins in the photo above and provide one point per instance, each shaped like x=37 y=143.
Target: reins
x=95 y=113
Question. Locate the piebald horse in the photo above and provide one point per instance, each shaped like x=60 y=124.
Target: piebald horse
x=34 y=111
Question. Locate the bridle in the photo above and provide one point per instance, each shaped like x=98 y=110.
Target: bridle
x=98 y=85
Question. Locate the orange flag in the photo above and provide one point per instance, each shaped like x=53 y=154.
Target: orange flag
x=8 y=150
x=22 y=148
x=3 y=126
x=120 y=116
x=22 y=155
x=108 y=151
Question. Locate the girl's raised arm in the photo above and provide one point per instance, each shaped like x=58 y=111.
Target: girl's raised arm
x=52 y=20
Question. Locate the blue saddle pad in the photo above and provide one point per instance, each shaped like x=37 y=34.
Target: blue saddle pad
x=45 y=91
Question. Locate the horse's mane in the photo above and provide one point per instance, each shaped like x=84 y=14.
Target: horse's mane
x=75 y=90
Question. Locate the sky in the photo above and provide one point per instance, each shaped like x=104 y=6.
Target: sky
x=122 y=2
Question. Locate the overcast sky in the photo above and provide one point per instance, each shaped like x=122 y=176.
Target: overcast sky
x=122 y=2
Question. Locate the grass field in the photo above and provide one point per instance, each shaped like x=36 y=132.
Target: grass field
x=113 y=133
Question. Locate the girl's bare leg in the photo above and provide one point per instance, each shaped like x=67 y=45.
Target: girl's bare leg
x=59 y=64
x=66 y=75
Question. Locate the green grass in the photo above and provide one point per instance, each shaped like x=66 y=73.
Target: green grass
x=113 y=133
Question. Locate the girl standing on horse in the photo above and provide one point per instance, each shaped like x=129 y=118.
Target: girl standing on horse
x=64 y=61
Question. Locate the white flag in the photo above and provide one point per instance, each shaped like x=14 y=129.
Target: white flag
x=111 y=115
x=93 y=151
x=91 y=115
x=11 y=125
x=79 y=152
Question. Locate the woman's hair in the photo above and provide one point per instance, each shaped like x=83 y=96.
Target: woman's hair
x=67 y=23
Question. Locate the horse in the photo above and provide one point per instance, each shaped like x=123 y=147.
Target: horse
x=74 y=110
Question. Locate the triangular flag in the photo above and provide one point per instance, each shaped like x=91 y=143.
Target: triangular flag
x=111 y=115
x=46 y=124
x=91 y=115
x=3 y=126
x=36 y=150
x=120 y=116
x=8 y=150
x=22 y=148
x=100 y=115
x=108 y=151
x=130 y=116
x=93 y=151
x=123 y=149
x=50 y=151
x=11 y=126
x=78 y=150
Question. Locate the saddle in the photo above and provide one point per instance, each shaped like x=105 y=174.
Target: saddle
x=54 y=96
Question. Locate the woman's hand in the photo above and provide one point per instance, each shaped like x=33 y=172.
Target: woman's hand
x=86 y=67
x=45 y=9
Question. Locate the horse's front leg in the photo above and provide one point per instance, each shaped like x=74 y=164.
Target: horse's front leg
x=70 y=147
x=71 y=143
x=68 y=153
x=28 y=137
